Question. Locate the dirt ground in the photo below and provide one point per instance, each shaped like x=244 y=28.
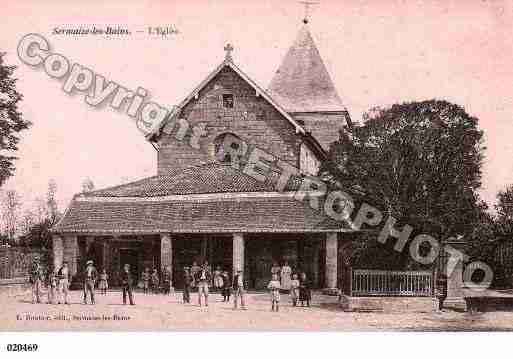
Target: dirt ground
x=162 y=312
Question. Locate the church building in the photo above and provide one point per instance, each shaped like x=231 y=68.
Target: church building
x=199 y=207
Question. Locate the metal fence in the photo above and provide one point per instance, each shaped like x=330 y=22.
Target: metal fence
x=391 y=283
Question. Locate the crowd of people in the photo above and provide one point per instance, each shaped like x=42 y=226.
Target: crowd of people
x=199 y=278
x=57 y=284
x=283 y=279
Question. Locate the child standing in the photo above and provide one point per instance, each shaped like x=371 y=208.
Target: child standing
x=155 y=282
x=145 y=277
x=103 y=285
x=227 y=287
x=294 y=289
x=218 y=279
x=52 y=287
x=305 y=293
x=274 y=286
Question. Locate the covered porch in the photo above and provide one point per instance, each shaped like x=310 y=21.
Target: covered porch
x=319 y=255
x=208 y=213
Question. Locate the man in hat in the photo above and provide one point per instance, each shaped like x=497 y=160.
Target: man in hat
x=187 y=282
x=90 y=276
x=238 y=290
x=203 y=279
x=127 y=282
x=64 y=279
x=36 y=280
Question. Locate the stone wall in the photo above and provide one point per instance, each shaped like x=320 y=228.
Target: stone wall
x=325 y=127
x=252 y=119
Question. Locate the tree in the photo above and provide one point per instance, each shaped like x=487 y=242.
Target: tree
x=39 y=224
x=11 y=120
x=38 y=236
x=40 y=209
x=27 y=221
x=52 y=209
x=504 y=208
x=10 y=215
x=504 y=218
x=419 y=162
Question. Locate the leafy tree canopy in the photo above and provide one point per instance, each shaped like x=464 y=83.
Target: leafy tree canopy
x=11 y=120
x=419 y=162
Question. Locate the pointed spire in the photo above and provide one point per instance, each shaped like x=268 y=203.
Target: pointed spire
x=302 y=83
x=307 y=5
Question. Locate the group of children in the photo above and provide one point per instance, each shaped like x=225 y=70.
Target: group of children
x=221 y=281
x=298 y=286
x=150 y=282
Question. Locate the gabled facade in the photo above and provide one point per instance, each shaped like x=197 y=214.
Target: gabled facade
x=229 y=102
x=199 y=208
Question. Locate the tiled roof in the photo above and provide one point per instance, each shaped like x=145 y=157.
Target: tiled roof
x=211 y=177
x=302 y=83
x=210 y=198
x=278 y=214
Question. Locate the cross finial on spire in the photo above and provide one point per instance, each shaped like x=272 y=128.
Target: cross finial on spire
x=228 y=49
x=307 y=5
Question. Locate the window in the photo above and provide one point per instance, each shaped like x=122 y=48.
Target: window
x=227 y=145
x=228 y=100
x=308 y=162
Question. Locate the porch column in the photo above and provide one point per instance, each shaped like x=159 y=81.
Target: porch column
x=105 y=255
x=331 y=263
x=238 y=252
x=203 y=252
x=166 y=254
x=71 y=253
x=89 y=243
x=315 y=264
x=58 y=251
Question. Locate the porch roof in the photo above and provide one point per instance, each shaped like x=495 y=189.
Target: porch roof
x=211 y=177
x=209 y=198
x=211 y=213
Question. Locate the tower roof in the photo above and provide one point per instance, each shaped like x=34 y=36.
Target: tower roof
x=302 y=83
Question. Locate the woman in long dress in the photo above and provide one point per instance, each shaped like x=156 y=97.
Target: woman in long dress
x=218 y=278
x=286 y=272
x=276 y=270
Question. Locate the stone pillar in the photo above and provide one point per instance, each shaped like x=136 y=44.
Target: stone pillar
x=345 y=271
x=58 y=251
x=71 y=253
x=166 y=254
x=331 y=263
x=315 y=264
x=89 y=243
x=453 y=269
x=105 y=255
x=238 y=252
x=204 y=254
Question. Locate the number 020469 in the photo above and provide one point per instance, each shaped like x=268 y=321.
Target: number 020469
x=22 y=347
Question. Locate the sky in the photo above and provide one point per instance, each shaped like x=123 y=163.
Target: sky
x=377 y=52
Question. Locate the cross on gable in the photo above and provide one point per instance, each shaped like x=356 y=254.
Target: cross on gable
x=307 y=5
x=228 y=49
